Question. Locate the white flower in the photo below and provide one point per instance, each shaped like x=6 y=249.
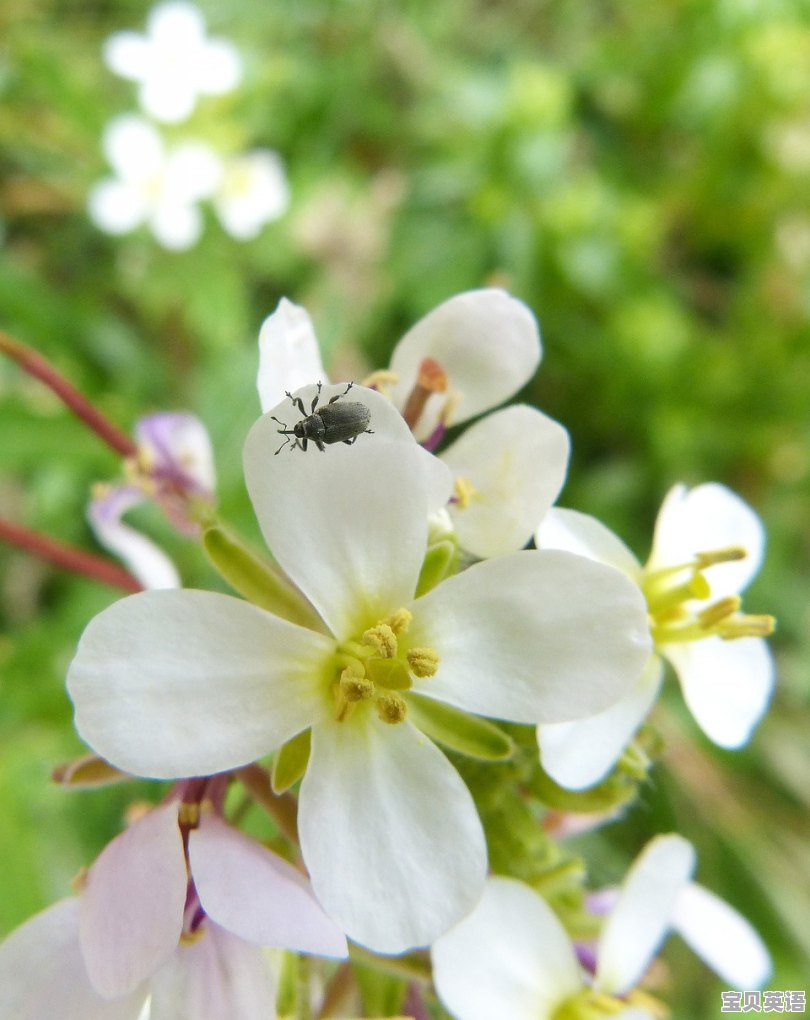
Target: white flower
x=468 y=355
x=174 y=683
x=708 y=546
x=140 y=933
x=253 y=192
x=511 y=957
x=174 y=62
x=153 y=185
x=175 y=469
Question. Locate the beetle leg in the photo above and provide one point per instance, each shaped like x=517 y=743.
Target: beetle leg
x=319 y=444
x=297 y=402
x=315 y=399
x=343 y=394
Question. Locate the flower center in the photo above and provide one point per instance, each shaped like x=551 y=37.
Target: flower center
x=590 y=1004
x=378 y=667
x=672 y=591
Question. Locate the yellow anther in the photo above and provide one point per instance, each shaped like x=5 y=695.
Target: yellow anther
x=731 y=554
x=399 y=621
x=355 y=688
x=463 y=492
x=189 y=937
x=189 y=814
x=391 y=707
x=747 y=626
x=712 y=615
x=423 y=661
x=381 y=380
x=79 y=883
x=382 y=639
x=448 y=412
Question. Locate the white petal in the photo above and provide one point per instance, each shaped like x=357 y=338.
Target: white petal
x=142 y=557
x=389 y=833
x=193 y=171
x=348 y=525
x=702 y=519
x=584 y=535
x=170 y=684
x=219 y=67
x=131 y=909
x=127 y=54
x=510 y=957
x=255 y=894
x=580 y=754
x=638 y=924
x=289 y=357
x=516 y=460
x=214 y=977
x=133 y=147
x=486 y=341
x=726 y=684
x=176 y=226
x=534 y=637
x=167 y=97
x=254 y=191
x=176 y=24
x=42 y=974
x=116 y=207
x=722 y=938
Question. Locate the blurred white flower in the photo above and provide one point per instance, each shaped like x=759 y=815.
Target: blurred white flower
x=174 y=62
x=511 y=957
x=175 y=469
x=153 y=184
x=253 y=191
x=708 y=546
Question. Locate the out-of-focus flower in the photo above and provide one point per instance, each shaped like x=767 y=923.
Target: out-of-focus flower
x=253 y=191
x=141 y=932
x=153 y=185
x=174 y=63
x=708 y=546
x=214 y=682
x=468 y=355
x=511 y=957
x=174 y=469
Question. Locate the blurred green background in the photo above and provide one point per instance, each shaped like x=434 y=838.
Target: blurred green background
x=639 y=174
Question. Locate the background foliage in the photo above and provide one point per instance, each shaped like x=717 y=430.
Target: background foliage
x=637 y=173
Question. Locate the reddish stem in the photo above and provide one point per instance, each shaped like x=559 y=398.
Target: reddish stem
x=69 y=558
x=38 y=366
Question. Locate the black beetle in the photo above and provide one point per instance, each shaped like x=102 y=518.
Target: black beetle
x=332 y=423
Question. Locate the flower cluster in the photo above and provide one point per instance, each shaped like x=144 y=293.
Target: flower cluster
x=424 y=613
x=160 y=181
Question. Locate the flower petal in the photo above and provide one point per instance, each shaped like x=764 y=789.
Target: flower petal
x=177 y=444
x=535 y=636
x=580 y=754
x=127 y=54
x=721 y=937
x=289 y=357
x=212 y=977
x=702 y=519
x=133 y=147
x=176 y=225
x=220 y=67
x=349 y=526
x=131 y=908
x=116 y=207
x=141 y=555
x=584 y=535
x=170 y=684
x=726 y=684
x=42 y=974
x=510 y=957
x=486 y=341
x=638 y=924
x=389 y=833
x=516 y=460
x=255 y=894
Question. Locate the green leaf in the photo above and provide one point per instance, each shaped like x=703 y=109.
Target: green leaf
x=469 y=735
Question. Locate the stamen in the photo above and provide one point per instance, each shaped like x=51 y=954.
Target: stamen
x=661 y=596
x=731 y=554
x=382 y=639
x=391 y=707
x=380 y=380
x=430 y=379
x=463 y=492
x=189 y=814
x=399 y=621
x=712 y=615
x=423 y=661
x=355 y=688
x=747 y=626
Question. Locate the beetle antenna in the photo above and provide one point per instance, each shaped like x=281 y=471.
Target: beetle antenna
x=286 y=440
